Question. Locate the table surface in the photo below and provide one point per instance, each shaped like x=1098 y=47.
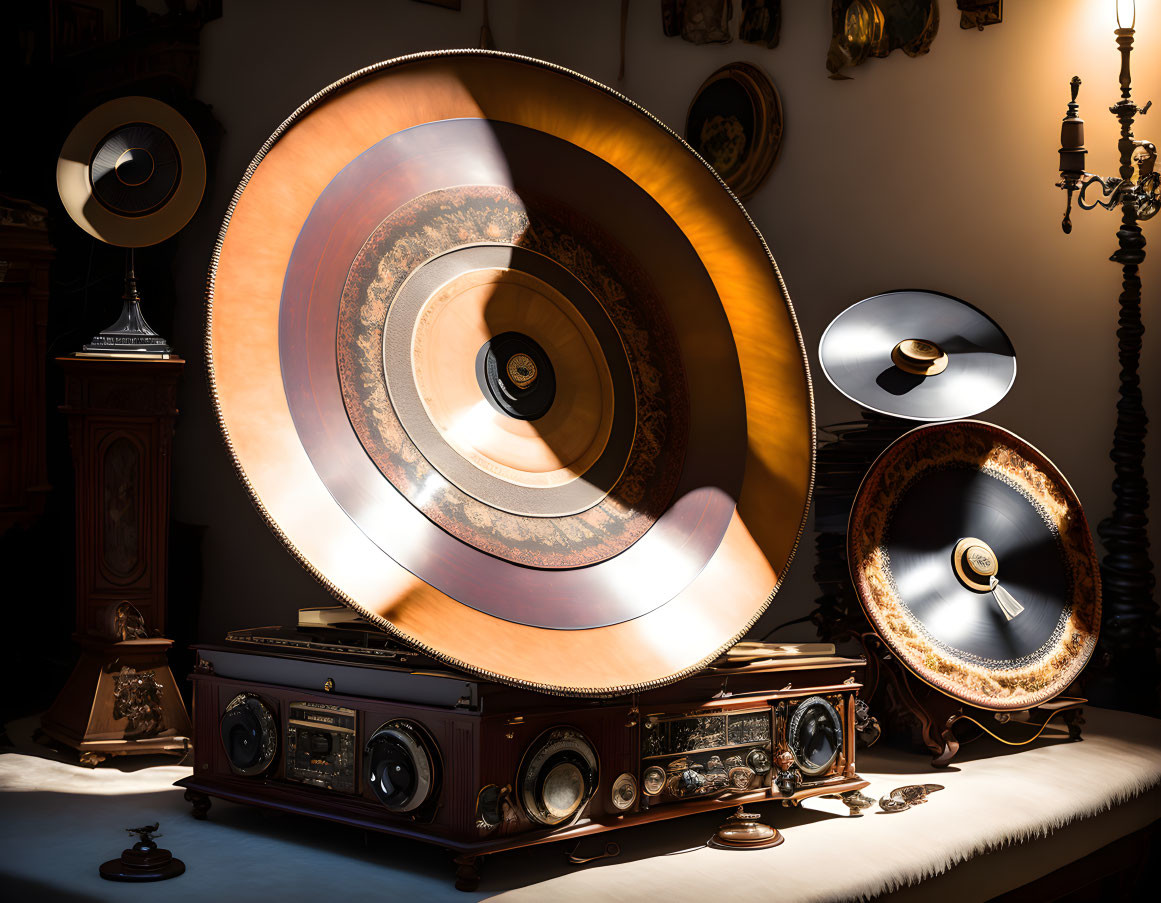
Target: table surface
x=1004 y=818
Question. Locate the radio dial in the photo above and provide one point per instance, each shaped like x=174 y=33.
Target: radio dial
x=624 y=792
x=558 y=775
x=400 y=767
x=653 y=781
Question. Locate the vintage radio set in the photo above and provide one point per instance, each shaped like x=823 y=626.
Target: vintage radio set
x=343 y=725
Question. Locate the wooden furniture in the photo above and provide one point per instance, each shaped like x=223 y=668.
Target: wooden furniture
x=25 y=258
x=120 y=416
x=121 y=698
x=478 y=767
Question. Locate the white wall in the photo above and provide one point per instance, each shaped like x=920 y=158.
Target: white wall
x=935 y=172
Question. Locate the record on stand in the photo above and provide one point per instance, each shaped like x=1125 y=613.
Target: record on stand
x=973 y=561
x=131 y=172
x=919 y=355
x=509 y=369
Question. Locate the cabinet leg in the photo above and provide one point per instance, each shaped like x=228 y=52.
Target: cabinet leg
x=468 y=872
x=91 y=759
x=950 y=743
x=201 y=803
x=1074 y=719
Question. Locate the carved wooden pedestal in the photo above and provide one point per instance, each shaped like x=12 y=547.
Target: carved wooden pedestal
x=122 y=698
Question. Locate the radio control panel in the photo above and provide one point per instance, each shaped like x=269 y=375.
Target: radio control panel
x=686 y=756
x=320 y=746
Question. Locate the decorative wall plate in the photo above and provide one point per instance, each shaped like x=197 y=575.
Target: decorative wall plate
x=511 y=372
x=929 y=491
x=735 y=123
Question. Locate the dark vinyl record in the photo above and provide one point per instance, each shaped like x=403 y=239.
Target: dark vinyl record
x=973 y=561
x=919 y=355
x=495 y=355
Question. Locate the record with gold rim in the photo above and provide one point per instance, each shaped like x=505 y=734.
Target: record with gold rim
x=132 y=172
x=973 y=561
x=508 y=369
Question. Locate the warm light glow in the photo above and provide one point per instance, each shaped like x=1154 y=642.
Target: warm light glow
x=1126 y=13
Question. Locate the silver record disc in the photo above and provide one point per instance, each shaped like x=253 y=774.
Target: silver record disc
x=918 y=355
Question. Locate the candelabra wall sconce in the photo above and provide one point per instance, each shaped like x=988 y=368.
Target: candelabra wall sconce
x=1129 y=623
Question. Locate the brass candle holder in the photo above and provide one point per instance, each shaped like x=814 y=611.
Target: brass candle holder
x=1129 y=635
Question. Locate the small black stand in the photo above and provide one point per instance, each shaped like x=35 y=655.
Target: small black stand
x=144 y=861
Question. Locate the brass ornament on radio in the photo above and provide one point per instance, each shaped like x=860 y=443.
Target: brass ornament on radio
x=744 y=831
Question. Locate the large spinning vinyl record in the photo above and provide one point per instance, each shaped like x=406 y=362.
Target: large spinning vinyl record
x=509 y=370
x=973 y=560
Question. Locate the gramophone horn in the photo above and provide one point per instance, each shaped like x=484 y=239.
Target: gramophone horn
x=511 y=372
x=131 y=172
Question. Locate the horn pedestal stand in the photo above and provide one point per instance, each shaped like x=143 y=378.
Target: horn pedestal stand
x=130 y=336
x=121 y=698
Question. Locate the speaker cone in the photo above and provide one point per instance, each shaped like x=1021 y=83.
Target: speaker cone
x=401 y=768
x=249 y=734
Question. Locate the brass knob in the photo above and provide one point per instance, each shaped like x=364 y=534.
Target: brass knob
x=919 y=357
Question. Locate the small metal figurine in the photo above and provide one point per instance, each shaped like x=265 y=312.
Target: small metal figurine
x=867 y=728
x=903 y=798
x=787 y=777
x=128 y=623
x=856 y=801
x=144 y=861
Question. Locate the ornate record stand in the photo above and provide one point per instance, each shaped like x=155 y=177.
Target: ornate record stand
x=899 y=379
x=979 y=654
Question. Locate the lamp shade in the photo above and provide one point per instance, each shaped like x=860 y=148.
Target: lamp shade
x=1126 y=13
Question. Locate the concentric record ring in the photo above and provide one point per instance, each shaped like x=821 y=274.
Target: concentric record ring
x=283 y=417
x=635 y=527
x=519 y=467
x=563 y=226
x=929 y=490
